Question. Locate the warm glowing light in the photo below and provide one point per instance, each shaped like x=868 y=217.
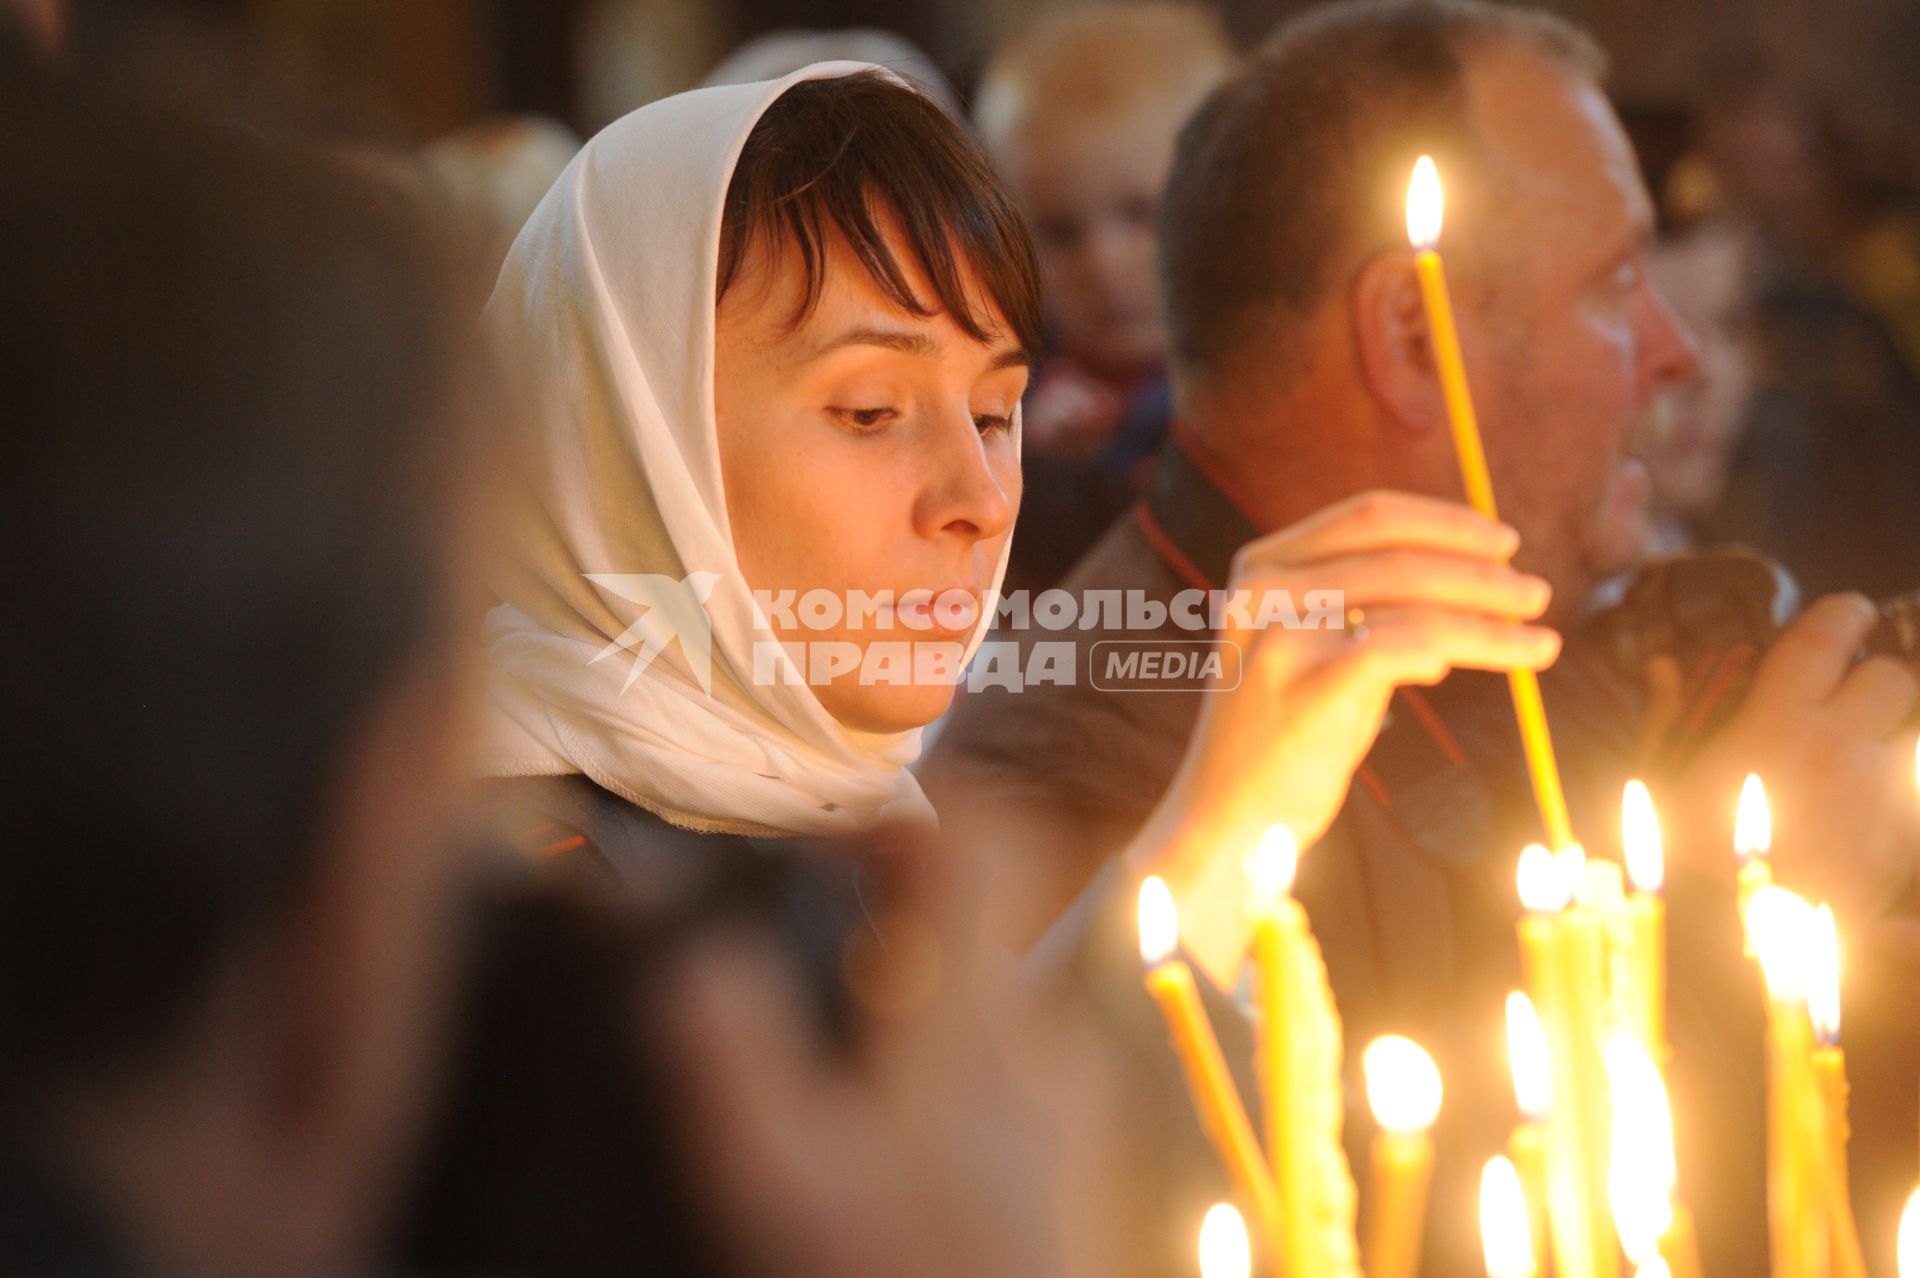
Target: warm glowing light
x=1506 y=1239
x=1225 y=1249
x=1159 y=920
x=1752 y=822
x=1271 y=866
x=1823 y=976
x=1784 y=930
x=1527 y=1050
x=1403 y=1084
x=1640 y=839
x=1909 y=1247
x=1425 y=204
x=1653 y=1267
x=1543 y=889
x=1572 y=862
x=1641 y=1173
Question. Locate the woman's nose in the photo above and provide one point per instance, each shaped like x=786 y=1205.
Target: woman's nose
x=967 y=493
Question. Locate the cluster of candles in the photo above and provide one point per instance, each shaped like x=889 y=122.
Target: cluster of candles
x=1589 y=1180
x=1587 y=1185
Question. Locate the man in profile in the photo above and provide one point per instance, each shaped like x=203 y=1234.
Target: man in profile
x=1303 y=375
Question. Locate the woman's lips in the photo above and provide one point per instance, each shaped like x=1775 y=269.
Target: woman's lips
x=951 y=609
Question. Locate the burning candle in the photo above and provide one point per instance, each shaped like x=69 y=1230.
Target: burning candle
x=1830 y=1080
x=1641 y=1174
x=1280 y=940
x=1646 y=867
x=1752 y=841
x=1218 y=1104
x=1506 y=1239
x=1425 y=212
x=1403 y=1090
x=1533 y=1097
x=1561 y=959
x=1225 y=1249
x=1782 y=928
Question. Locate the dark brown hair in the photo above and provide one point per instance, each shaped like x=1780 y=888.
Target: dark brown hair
x=830 y=156
x=1295 y=170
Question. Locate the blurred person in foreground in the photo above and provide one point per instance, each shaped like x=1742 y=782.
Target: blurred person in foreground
x=1079 y=116
x=238 y=455
x=1303 y=380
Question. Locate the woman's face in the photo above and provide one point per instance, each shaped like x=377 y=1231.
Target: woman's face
x=868 y=454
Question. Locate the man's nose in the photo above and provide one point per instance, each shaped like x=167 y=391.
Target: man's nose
x=965 y=496
x=1669 y=352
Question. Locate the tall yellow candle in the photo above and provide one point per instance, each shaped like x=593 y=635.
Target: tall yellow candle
x=1640 y=1173
x=1783 y=929
x=1830 y=1082
x=1646 y=867
x=1533 y=1097
x=1403 y=1090
x=1425 y=208
x=1280 y=941
x=1546 y=891
x=1907 y=1248
x=1209 y=1081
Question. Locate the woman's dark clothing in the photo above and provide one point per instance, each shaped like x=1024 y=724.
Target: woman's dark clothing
x=558 y=1152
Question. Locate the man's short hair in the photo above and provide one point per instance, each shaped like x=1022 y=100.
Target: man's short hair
x=1295 y=170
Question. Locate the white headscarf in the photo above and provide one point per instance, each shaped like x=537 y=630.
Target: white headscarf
x=608 y=297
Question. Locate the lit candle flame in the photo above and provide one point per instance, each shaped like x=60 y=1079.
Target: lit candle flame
x=1425 y=204
x=1641 y=1175
x=1823 y=978
x=1527 y=1050
x=1543 y=888
x=1784 y=930
x=1654 y=1266
x=1506 y=1239
x=1909 y=1245
x=1640 y=839
x=1572 y=862
x=1159 y=920
x=1225 y=1249
x=1752 y=822
x=1403 y=1084
x=1271 y=866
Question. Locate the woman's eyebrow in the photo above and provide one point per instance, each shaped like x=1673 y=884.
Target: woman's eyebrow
x=907 y=342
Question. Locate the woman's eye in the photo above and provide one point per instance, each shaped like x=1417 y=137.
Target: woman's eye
x=992 y=423
x=864 y=419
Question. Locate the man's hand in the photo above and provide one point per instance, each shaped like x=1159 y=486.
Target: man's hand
x=1430 y=584
x=1829 y=739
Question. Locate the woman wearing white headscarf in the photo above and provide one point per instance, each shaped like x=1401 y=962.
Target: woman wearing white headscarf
x=777 y=335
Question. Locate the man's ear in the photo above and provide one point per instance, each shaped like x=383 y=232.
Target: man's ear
x=1395 y=349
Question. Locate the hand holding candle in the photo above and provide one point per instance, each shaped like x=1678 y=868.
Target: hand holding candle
x=1403 y=1089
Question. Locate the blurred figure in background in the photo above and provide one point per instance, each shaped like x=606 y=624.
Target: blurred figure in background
x=1826 y=475
x=493 y=173
x=1693 y=428
x=780 y=53
x=1079 y=116
x=233 y=683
